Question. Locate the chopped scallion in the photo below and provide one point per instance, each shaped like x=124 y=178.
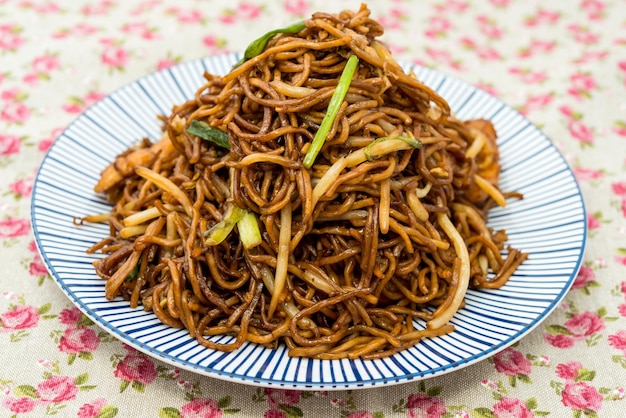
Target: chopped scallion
x=205 y=131
x=247 y=226
x=258 y=45
x=333 y=109
x=249 y=232
x=411 y=141
x=220 y=231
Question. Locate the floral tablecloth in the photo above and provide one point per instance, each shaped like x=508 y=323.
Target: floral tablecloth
x=562 y=64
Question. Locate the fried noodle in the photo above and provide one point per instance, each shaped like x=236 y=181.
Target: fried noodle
x=360 y=255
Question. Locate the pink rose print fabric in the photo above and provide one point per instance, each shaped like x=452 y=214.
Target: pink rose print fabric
x=513 y=364
x=581 y=396
x=9 y=145
x=580 y=326
x=78 y=339
x=585 y=280
x=510 y=407
x=19 y=318
x=577 y=393
x=18 y=405
x=97 y=408
x=135 y=370
x=57 y=389
x=618 y=342
x=422 y=405
x=14 y=227
x=201 y=408
x=560 y=64
x=49 y=396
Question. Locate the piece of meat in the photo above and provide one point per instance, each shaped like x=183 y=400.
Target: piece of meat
x=125 y=164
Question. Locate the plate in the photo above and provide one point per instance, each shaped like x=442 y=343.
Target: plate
x=549 y=224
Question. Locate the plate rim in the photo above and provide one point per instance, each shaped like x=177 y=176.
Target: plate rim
x=298 y=385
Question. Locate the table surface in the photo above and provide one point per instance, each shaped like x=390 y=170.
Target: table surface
x=562 y=64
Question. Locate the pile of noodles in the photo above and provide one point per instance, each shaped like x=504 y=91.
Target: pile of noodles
x=362 y=254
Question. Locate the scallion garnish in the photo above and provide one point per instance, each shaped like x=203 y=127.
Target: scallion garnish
x=247 y=226
x=220 y=231
x=249 y=232
x=205 y=131
x=258 y=46
x=411 y=141
x=333 y=109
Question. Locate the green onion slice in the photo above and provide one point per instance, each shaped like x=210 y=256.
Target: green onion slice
x=207 y=132
x=220 y=231
x=333 y=109
x=411 y=141
x=249 y=232
x=247 y=225
x=258 y=46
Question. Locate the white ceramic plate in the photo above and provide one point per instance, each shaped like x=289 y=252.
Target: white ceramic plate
x=549 y=223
